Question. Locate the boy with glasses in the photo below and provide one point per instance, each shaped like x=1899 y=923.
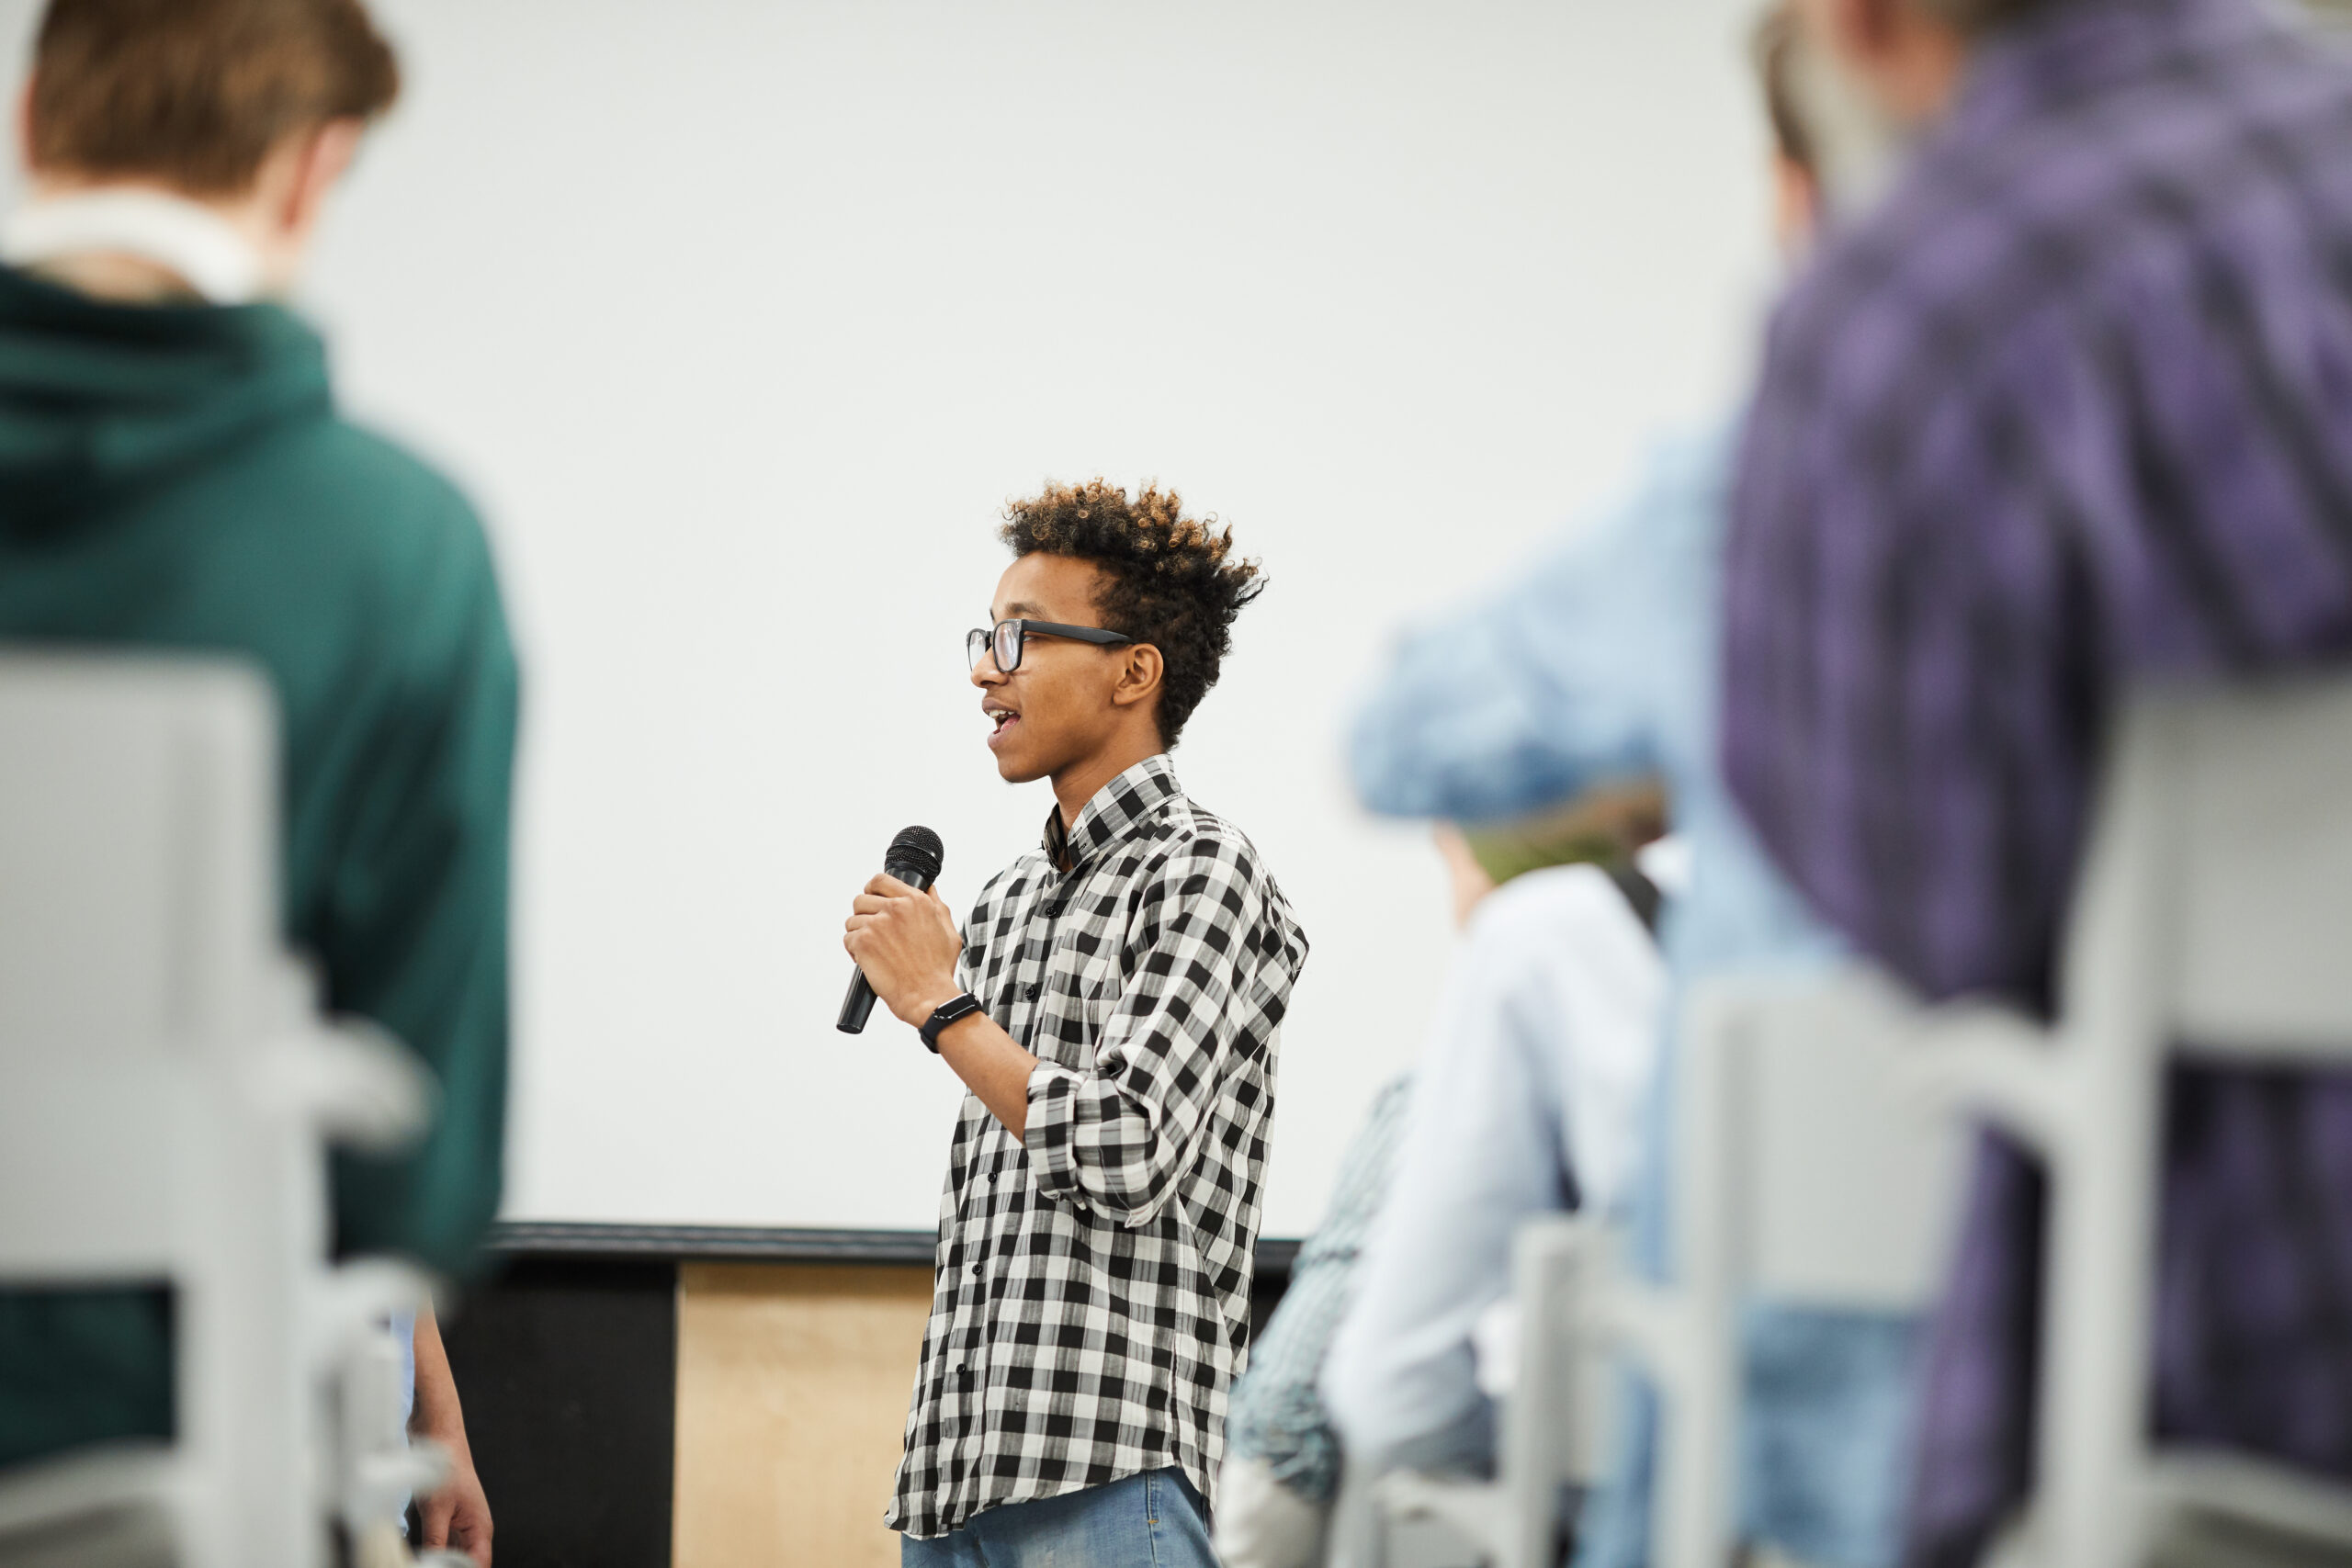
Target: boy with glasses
x=1113 y=1003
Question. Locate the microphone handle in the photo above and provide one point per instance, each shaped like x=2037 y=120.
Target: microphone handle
x=859 y=1003
x=856 y=1005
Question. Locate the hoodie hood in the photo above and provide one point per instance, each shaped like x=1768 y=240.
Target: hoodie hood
x=100 y=401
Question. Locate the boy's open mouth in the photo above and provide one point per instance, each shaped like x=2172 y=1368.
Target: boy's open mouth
x=1003 y=719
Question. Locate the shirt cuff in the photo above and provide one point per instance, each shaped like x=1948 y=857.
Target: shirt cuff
x=1049 y=1133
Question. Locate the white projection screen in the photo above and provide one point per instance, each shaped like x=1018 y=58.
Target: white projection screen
x=740 y=321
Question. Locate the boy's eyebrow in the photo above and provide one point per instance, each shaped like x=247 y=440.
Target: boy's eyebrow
x=1020 y=607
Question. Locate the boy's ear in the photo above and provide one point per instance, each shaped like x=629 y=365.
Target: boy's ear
x=321 y=159
x=1140 y=674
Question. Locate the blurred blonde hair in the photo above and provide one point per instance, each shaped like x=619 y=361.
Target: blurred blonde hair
x=1604 y=825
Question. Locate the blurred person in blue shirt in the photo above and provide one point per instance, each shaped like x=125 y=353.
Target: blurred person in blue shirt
x=1599 y=663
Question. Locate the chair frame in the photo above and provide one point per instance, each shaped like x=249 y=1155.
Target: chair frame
x=1685 y=1335
x=2210 y=908
x=190 y=1146
x=1553 y=1418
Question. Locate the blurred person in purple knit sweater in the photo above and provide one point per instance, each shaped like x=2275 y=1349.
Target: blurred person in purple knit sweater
x=2068 y=412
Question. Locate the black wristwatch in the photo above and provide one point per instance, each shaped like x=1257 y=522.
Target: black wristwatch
x=945 y=1013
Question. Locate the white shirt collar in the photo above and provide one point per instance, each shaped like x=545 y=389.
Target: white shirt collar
x=1666 y=861
x=191 y=242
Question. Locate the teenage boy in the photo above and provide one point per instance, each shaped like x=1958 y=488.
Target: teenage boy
x=1115 y=1011
x=172 y=476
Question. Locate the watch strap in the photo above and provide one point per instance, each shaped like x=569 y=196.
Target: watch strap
x=949 y=1012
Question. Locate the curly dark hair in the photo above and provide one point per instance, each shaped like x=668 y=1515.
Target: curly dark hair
x=1168 y=579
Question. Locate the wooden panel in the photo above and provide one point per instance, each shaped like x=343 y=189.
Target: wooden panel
x=792 y=1396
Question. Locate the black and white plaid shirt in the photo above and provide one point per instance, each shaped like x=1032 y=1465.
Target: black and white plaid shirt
x=1092 y=1297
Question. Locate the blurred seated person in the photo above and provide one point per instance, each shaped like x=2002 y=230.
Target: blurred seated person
x=2061 y=420
x=1597 y=662
x=1285 y=1461
x=1528 y=1099
x=174 y=477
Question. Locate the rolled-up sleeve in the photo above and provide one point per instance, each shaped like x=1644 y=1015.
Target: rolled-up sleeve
x=1119 y=1138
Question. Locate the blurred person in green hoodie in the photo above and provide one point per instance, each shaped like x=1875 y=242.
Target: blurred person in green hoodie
x=174 y=475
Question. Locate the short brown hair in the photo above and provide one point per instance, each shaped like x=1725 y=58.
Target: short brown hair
x=193 y=94
x=1168 y=579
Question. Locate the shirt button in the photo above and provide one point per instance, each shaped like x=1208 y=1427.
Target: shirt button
x=1032 y=992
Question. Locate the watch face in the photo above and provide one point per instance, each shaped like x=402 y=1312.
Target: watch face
x=945 y=1013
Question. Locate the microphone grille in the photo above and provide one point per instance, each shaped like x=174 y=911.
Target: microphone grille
x=918 y=849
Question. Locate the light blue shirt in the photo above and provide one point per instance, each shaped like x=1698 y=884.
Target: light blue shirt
x=1598 y=663
x=404 y=1330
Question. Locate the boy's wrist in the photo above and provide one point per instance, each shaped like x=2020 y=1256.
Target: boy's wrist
x=446 y=1428
x=931 y=1000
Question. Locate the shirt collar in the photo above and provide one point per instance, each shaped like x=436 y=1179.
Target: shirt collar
x=193 y=244
x=1133 y=797
x=2079 y=48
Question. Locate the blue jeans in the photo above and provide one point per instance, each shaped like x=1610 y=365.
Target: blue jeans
x=1152 y=1520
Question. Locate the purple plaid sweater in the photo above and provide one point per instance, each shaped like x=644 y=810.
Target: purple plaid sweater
x=2071 y=412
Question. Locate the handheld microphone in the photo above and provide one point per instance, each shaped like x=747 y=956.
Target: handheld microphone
x=915 y=859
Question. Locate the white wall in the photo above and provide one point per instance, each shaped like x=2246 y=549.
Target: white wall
x=742 y=320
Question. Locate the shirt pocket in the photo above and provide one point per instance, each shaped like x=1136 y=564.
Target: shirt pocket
x=1083 y=984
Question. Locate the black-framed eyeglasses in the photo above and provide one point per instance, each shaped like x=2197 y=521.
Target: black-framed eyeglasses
x=1005 y=640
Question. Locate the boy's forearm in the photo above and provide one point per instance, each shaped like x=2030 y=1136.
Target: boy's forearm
x=438 y=1414
x=993 y=1066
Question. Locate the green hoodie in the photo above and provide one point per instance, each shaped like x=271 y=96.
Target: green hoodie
x=175 y=477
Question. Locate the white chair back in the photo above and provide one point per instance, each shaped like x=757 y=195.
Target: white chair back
x=138 y=814
x=2222 y=868
x=1843 y=1181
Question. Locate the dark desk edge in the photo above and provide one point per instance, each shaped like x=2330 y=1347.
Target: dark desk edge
x=753 y=1243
